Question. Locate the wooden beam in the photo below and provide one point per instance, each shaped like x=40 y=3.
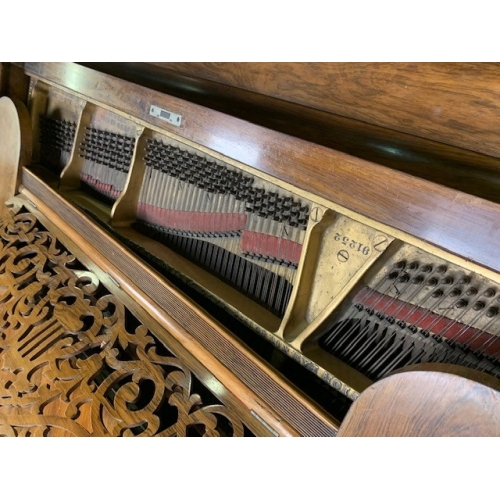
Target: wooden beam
x=437 y=101
x=312 y=119
x=460 y=223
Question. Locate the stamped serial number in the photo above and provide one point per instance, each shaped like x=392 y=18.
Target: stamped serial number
x=355 y=245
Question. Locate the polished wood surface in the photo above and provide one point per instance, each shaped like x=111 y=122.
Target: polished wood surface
x=425 y=403
x=70 y=326
x=452 y=166
x=437 y=101
x=66 y=355
x=151 y=322
x=458 y=222
x=13 y=81
x=81 y=360
x=15 y=144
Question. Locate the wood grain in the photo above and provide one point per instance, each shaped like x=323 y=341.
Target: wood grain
x=15 y=144
x=424 y=404
x=458 y=222
x=453 y=220
x=450 y=166
x=14 y=81
x=76 y=361
x=438 y=101
x=258 y=387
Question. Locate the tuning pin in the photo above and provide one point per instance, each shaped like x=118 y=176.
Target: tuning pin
x=491 y=312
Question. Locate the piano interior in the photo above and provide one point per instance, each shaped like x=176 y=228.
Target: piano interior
x=327 y=296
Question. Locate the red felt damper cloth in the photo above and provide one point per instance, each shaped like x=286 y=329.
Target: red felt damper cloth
x=423 y=318
x=108 y=189
x=192 y=221
x=271 y=246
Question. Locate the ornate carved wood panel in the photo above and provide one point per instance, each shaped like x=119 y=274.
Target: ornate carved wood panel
x=74 y=361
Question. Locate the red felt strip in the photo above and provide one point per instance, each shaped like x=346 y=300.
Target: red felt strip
x=107 y=189
x=474 y=338
x=271 y=246
x=192 y=221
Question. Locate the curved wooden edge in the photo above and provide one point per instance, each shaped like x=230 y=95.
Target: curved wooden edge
x=460 y=371
x=15 y=144
x=423 y=403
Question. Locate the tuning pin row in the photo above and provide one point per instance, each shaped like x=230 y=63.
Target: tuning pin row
x=57 y=134
x=216 y=178
x=108 y=149
x=196 y=170
x=428 y=283
x=278 y=208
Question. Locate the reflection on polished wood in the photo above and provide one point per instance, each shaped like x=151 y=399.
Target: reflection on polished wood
x=15 y=144
x=436 y=101
x=421 y=208
x=165 y=277
x=430 y=402
x=353 y=109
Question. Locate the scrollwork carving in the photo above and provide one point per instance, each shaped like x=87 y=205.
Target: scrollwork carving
x=70 y=361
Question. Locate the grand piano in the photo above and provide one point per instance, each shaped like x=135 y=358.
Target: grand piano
x=249 y=250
